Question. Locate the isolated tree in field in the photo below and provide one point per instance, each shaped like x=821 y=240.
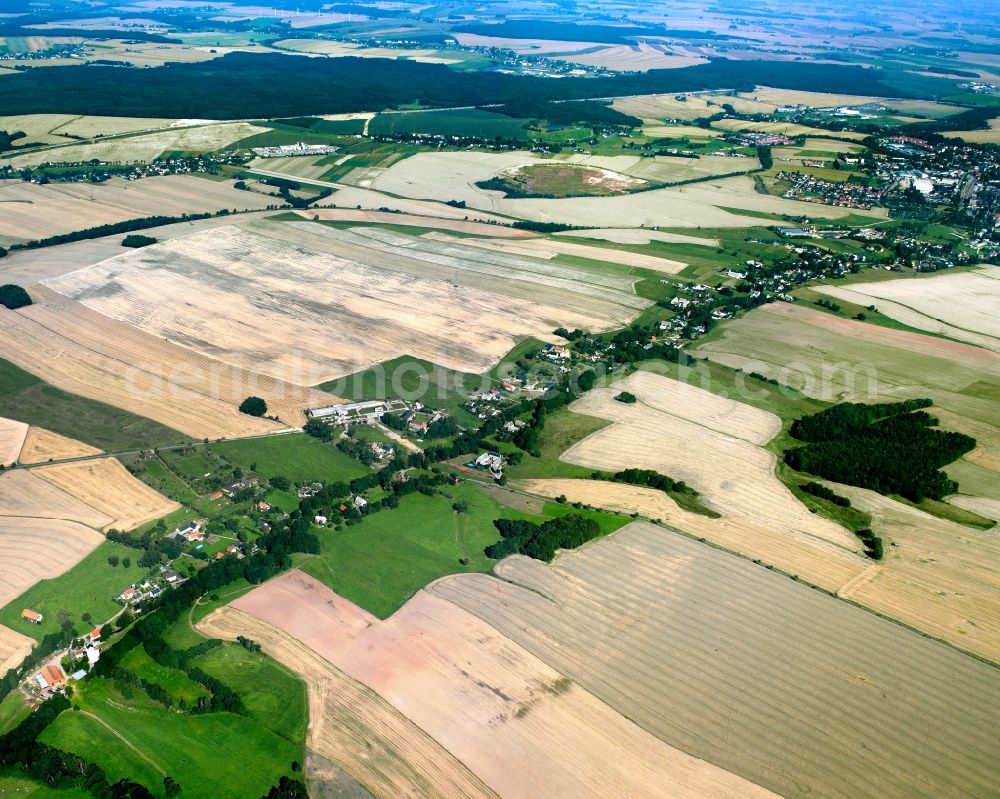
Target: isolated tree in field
x=253 y=406
x=626 y=397
x=13 y=296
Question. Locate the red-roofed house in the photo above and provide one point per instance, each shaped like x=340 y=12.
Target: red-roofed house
x=217 y=495
x=33 y=616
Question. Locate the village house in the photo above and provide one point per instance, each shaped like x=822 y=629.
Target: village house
x=242 y=484
x=383 y=452
x=189 y=531
x=32 y=616
x=491 y=462
x=128 y=594
x=318 y=519
x=360 y=502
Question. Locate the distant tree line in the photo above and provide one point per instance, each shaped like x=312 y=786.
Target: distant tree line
x=218 y=89
x=111 y=229
x=891 y=448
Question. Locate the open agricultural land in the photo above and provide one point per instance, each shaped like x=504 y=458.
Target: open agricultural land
x=12 y=435
x=693 y=683
x=43 y=445
x=32 y=211
x=722 y=202
x=51 y=519
x=94 y=356
x=730 y=214
x=960 y=306
x=429 y=639
x=500 y=696
x=130 y=147
x=457 y=306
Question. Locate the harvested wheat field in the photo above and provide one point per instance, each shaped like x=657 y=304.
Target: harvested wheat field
x=12 y=435
x=742 y=667
x=713 y=444
x=938 y=576
x=638 y=236
x=984 y=506
x=98 y=357
x=14 y=648
x=142 y=146
x=662 y=106
x=812 y=559
x=39 y=549
x=786 y=128
x=296 y=166
x=106 y=485
x=412 y=220
x=60 y=128
x=453 y=176
x=550 y=248
x=342 y=49
x=477 y=693
x=961 y=305
x=33 y=211
x=41 y=445
x=307 y=303
x=37 y=128
x=354 y=727
x=24 y=494
x=640 y=57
